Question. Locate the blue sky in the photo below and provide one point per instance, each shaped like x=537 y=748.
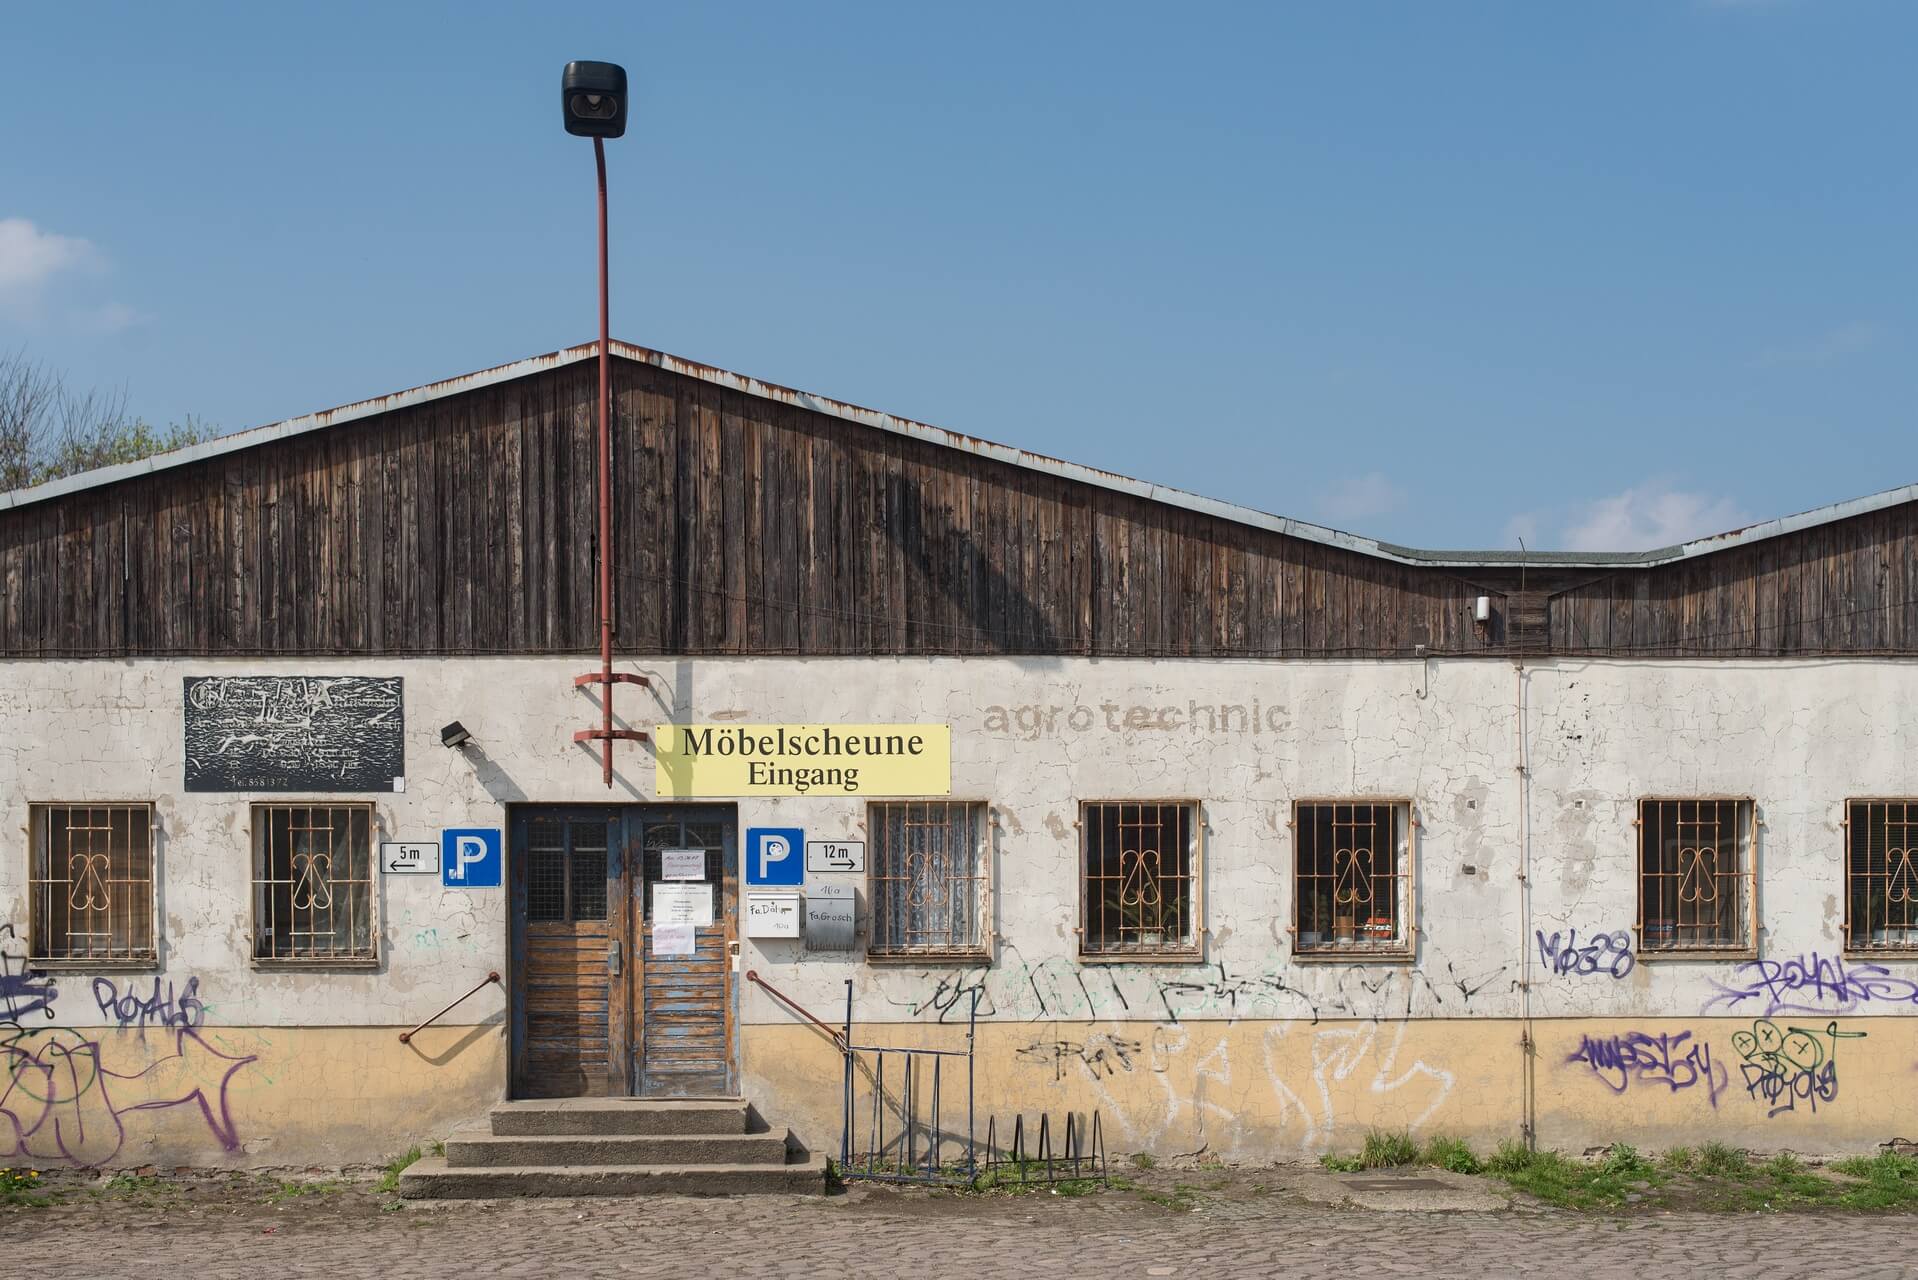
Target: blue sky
x=1600 y=275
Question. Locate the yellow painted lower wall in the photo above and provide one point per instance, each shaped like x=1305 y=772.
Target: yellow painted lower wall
x=238 y=1097
x=1245 y=1091
x=1265 y=1091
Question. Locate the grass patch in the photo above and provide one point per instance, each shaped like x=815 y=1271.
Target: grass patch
x=1716 y=1160
x=1622 y=1177
x=1181 y=1199
x=1679 y=1160
x=1341 y=1164
x=1143 y=1160
x=284 y=1190
x=390 y=1180
x=1384 y=1150
x=1451 y=1154
x=21 y=1187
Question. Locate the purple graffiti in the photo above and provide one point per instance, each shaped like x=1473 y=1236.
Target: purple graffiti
x=1607 y=953
x=181 y=1013
x=61 y=1099
x=21 y=992
x=1672 y=1059
x=1812 y=983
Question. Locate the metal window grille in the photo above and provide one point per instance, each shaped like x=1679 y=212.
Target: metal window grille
x=1139 y=878
x=90 y=882
x=566 y=866
x=313 y=882
x=1352 y=873
x=926 y=877
x=1694 y=874
x=1881 y=875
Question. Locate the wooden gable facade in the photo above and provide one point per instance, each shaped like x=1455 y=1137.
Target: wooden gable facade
x=465 y=523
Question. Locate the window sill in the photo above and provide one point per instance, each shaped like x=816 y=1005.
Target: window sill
x=148 y=964
x=262 y=965
x=1641 y=954
x=1869 y=952
x=1355 y=955
x=1193 y=956
x=911 y=958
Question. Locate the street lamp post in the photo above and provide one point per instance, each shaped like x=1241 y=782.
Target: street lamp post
x=593 y=100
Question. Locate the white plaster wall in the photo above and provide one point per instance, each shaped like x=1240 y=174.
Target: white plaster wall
x=1034 y=737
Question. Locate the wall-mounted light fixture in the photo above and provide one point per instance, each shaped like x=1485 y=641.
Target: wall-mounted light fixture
x=455 y=735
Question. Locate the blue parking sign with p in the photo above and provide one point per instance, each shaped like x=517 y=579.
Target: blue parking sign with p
x=470 y=858
x=775 y=855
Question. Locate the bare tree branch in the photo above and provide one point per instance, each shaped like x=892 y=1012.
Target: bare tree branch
x=47 y=430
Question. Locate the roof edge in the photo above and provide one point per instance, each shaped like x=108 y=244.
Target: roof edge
x=1008 y=454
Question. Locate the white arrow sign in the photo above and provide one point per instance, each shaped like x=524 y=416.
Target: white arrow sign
x=835 y=855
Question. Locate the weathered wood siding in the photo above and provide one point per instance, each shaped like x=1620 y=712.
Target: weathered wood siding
x=467 y=525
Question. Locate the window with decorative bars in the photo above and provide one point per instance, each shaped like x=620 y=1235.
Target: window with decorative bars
x=90 y=883
x=313 y=883
x=926 y=882
x=1352 y=877
x=1881 y=875
x=1695 y=861
x=1139 y=879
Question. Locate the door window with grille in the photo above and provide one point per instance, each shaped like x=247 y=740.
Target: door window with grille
x=566 y=870
x=90 y=881
x=1139 y=879
x=926 y=878
x=313 y=883
x=1881 y=875
x=1352 y=876
x=1694 y=874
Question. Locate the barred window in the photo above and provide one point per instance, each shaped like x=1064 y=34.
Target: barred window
x=1881 y=877
x=90 y=881
x=1694 y=874
x=313 y=882
x=1139 y=879
x=926 y=879
x=1352 y=876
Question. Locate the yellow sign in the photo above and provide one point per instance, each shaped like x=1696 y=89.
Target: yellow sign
x=803 y=760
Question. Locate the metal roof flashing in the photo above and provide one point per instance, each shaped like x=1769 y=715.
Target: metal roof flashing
x=1007 y=454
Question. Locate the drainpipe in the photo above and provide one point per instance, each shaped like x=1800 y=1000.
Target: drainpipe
x=1528 y=1043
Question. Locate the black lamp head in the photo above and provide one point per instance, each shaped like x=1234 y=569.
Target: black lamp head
x=593 y=97
x=455 y=735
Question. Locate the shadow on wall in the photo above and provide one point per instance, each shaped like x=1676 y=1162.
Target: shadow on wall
x=450 y=1049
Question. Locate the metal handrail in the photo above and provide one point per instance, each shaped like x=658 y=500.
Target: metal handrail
x=752 y=975
x=406 y=1037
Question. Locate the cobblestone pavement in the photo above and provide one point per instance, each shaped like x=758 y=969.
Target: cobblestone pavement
x=1240 y=1228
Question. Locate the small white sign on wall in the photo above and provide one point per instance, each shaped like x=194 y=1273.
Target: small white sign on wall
x=835 y=855
x=410 y=857
x=682 y=864
x=682 y=904
x=772 y=915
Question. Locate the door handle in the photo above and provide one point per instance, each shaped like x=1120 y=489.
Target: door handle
x=614 y=956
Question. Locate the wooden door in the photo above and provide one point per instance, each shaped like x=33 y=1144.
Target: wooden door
x=686 y=1044
x=571 y=946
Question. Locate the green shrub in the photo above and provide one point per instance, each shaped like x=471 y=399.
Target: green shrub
x=390 y=1180
x=1388 y=1150
x=1511 y=1157
x=1623 y=1161
x=1452 y=1154
x=1679 y=1159
x=1716 y=1160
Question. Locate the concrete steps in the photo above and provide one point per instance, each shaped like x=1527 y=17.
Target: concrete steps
x=613 y=1147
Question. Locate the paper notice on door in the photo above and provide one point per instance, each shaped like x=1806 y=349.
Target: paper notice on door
x=682 y=903
x=672 y=939
x=682 y=864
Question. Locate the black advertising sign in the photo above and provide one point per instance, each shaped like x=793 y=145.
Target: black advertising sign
x=295 y=733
